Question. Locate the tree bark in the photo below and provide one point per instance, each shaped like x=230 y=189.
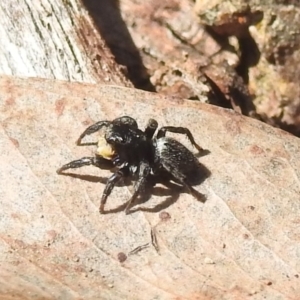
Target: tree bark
x=54 y=39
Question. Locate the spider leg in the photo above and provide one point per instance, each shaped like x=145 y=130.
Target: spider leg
x=144 y=172
x=181 y=178
x=91 y=129
x=112 y=180
x=84 y=161
x=200 y=197
x=182 y=130
x=151 y=128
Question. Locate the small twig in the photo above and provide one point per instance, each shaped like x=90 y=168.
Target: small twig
x=138 y=249
x=154 y=239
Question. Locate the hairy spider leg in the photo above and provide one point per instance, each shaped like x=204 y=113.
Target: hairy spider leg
x=181 y=178
x=91 y=129
x=151 y=128
x=84 y=161
x=112 y=180
x=182 y=130
x=144 y=172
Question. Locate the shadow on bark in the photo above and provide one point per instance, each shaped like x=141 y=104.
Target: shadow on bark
x=108 y=20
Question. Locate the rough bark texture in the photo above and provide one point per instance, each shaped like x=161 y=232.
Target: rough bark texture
x=275 y=79
x=183 y=57
x=54 y=39
x=269 y=52
x=252 y=46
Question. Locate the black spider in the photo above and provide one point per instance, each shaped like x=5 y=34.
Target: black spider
x=139 y=154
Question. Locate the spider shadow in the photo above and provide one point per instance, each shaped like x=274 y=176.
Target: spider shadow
x=173 y=188
x=204 y=152
x=97 y=179
x=103 y=180
x=172 y=191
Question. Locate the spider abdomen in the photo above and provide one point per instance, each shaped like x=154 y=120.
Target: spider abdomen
x=175 y=157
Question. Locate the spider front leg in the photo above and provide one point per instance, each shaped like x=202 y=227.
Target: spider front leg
x=84 y=161
x=182 y=130
x=144 y=172
x=112 y=180
x=92 y=129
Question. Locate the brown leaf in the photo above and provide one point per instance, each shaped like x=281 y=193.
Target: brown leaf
x=242 y=243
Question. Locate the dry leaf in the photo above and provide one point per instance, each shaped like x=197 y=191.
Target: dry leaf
x=242 y=243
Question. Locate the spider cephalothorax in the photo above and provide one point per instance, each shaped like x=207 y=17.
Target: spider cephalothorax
x=139 y=154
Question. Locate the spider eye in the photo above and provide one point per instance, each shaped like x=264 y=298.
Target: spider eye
x=115 y=139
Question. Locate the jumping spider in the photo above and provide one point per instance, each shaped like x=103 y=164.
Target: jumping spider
x=139 y=154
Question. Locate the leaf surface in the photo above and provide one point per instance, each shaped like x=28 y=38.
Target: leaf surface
x=242 y=243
